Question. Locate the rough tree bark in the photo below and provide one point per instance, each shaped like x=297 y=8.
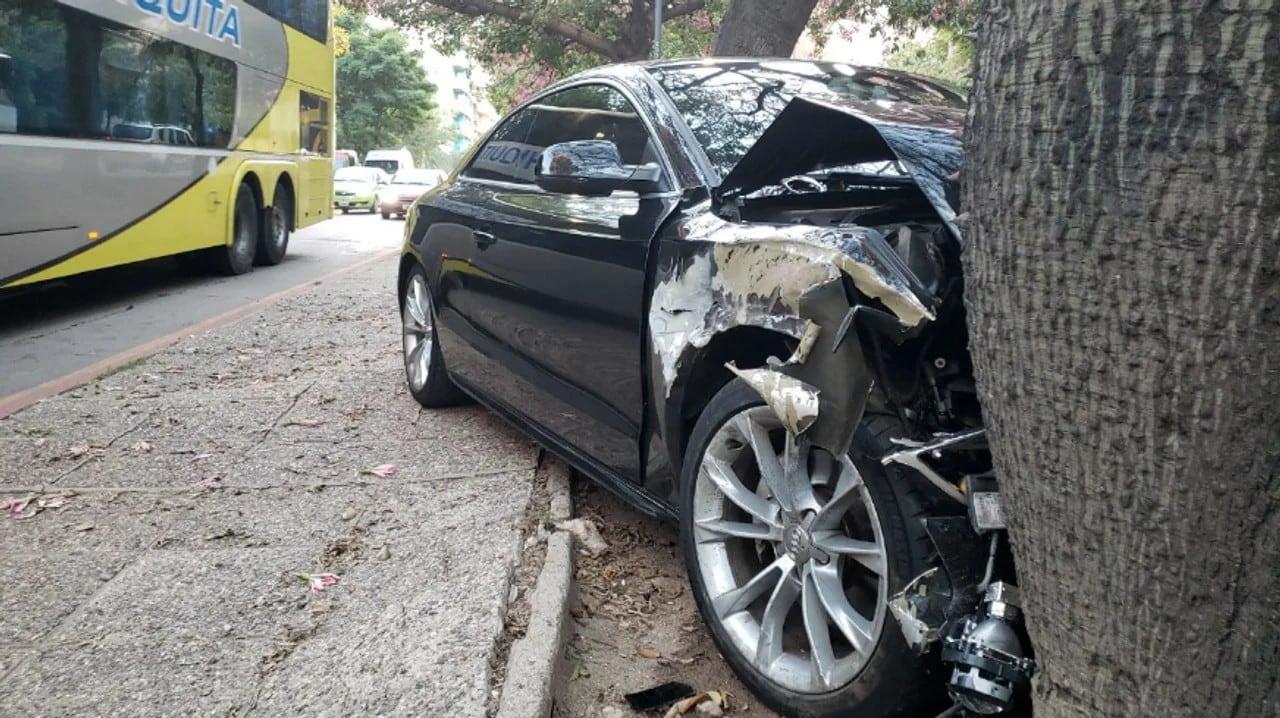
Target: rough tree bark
x=1123 y=186
x=762 y=28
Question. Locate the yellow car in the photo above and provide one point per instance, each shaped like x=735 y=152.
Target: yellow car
x=357 y=188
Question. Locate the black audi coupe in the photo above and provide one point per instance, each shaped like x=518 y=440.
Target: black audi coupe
x=731 y=292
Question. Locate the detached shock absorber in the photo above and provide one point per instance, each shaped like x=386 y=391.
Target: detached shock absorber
x=986 y=652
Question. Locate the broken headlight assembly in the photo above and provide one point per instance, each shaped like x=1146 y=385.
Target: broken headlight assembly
x=987 y=656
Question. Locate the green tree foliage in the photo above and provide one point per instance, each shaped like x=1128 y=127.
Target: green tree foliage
x=896 y=16
x=383 y=94
x=527 y=45
x=946 y=55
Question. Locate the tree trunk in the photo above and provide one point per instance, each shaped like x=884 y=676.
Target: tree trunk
x=762 y=28
x=1123 y=186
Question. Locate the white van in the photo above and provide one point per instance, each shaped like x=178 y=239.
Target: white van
x=390 y=161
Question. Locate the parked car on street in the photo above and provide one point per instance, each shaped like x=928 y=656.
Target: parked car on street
x=731 y=292
x=405 y=189
x=358 y=187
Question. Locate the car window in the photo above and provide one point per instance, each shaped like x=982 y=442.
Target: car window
x=586 y=112
x=592 y=112
x=383 y=165
x=505 y=156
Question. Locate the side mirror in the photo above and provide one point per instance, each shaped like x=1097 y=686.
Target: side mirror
x=592 y=168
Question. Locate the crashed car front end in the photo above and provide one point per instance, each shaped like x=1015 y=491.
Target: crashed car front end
x=845 y=242
x=761 y=260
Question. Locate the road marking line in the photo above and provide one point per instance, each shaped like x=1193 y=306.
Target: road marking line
x=23 y=399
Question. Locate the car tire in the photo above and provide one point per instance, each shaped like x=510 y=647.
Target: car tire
x=885 y=679
x=237 y=256
x=386 y=215
x=424 y=368
x=274 y=242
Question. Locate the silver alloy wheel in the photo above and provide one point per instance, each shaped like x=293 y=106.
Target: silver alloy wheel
x=419 y=331
x=790 y=553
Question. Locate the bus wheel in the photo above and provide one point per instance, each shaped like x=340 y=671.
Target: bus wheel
x=237 y=257
x=273 y=243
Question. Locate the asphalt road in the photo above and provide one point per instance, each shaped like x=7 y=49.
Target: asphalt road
x=54 y=330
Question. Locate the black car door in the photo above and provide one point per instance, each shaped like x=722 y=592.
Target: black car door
x=550 y=296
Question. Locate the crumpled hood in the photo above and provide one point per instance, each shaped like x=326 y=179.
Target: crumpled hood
x=811 y=133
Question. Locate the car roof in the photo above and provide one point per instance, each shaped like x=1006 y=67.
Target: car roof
x=622 y=69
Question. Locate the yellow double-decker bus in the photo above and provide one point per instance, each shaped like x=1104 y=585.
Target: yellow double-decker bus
x=136 y=129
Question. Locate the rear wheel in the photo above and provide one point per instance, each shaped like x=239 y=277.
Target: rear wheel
x=275 y=240
x=429 y=381
x=386 y=215
x=237 y=257
x=792 y=555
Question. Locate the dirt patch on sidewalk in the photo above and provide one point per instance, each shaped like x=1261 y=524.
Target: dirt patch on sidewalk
x=635 y=623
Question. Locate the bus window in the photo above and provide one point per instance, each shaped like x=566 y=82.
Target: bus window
x=313 y=116
x=34 y=37
x=148 y=81
x=73 y=74
x=308 y=16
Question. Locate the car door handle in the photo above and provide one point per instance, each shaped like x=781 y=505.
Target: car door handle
x=483 y=239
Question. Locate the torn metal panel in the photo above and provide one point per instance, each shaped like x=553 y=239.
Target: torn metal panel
x=840 y=370
x=793 y=401
x=913 y=456
x=788 y=259
x=756 y=275
x=911 y=607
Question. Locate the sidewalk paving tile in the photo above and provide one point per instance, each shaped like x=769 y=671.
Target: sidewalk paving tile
x=137 y=676
x=428 y=617
x=53 y=585
x=196 y=594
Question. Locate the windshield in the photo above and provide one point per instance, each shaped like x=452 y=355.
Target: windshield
x=384 y=165
x=728 y=106
x=355 y=174
x=427 y=177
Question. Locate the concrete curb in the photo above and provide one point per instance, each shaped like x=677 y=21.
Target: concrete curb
x=534 y=661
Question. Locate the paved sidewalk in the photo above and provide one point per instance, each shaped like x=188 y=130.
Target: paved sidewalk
x=173 y=505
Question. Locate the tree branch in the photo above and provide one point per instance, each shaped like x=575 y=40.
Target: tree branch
x=683 y=9
x=556 y=26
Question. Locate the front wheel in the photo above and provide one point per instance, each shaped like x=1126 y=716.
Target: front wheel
x=792 y=555
x=429 y=381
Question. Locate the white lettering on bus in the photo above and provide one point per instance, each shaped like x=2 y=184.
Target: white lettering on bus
x=221 y=21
